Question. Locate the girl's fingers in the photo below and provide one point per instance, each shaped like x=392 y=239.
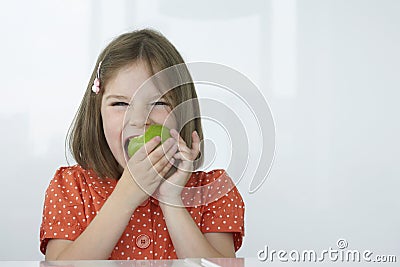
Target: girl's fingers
x=182 y=144
x=183 y=148
x=196 y=142
x=163 y=161
x=167 y=167
x=160 y=151
x=185 y=156
x=174 y=133
x=179 y=156
x=147 y=148
x=188 y=154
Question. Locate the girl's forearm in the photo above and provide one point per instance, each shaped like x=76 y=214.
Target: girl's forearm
x=102 y=234
x=188 y=240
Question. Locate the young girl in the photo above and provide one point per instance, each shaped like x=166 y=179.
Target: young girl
x=110 y=206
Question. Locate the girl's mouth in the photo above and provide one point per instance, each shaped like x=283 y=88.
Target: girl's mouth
x=126 y=145
x=126 y=149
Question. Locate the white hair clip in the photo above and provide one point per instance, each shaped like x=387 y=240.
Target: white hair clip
x=96 y=83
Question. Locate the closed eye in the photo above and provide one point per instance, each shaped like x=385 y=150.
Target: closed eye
x=160 y=103
x=119 y=104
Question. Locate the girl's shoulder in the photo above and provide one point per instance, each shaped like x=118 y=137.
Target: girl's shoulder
x=70 y=170
x=70 y=181
x=213 y=185
x=71 y=176
x=73 y=172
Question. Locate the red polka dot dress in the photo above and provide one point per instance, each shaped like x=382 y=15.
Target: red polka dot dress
x=75 y=196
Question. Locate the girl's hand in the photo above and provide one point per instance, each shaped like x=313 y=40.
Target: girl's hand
x=170 y=190
x=149 y=165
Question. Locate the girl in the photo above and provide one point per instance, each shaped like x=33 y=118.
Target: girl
x=110 y=206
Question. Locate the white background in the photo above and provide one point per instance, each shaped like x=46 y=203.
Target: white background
x=328 y=68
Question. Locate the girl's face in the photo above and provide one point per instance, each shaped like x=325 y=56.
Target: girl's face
x=123 y=119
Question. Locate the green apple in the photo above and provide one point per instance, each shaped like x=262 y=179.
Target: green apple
x=154 y=130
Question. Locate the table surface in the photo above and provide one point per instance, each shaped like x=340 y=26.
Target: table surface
x=236 y=262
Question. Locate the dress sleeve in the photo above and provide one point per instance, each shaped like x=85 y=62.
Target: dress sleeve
x=63 y=212
x=226 y=212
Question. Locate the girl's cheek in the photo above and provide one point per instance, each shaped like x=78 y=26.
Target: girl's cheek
x=161 y=110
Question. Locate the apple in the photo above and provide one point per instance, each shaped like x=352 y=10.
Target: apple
x=154 y=130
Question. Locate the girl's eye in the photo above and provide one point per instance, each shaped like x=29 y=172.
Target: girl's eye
x=159 y=103
x=119 y=104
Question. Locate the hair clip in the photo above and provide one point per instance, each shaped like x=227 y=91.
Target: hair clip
x=96 y=82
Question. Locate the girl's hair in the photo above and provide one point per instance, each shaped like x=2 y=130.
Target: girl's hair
x=86 y=139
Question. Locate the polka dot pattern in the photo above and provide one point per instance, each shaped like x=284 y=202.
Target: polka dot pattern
x=75 y=196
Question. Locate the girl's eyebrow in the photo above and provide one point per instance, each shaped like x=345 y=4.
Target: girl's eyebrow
x=157 y=98
x=122 y=97
x=117 y=96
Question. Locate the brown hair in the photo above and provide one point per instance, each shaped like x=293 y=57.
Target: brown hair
x=86 y=139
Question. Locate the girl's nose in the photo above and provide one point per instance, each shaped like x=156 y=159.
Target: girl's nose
x=137 y=117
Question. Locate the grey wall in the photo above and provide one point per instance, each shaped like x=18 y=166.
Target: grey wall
x=329 y=70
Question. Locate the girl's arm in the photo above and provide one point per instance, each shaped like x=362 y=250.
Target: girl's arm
x=102 y=234
x=189 y=241
x=98 y=240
